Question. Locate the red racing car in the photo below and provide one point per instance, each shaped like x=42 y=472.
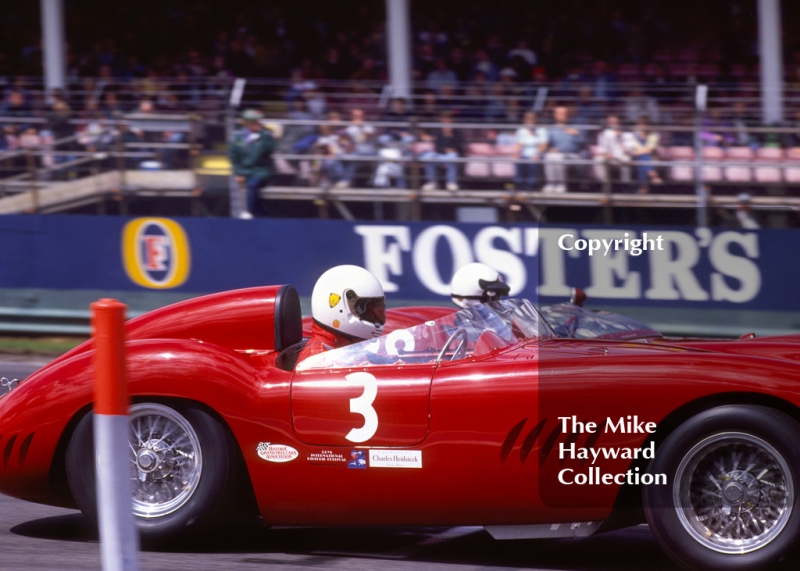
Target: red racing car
x=482 y=416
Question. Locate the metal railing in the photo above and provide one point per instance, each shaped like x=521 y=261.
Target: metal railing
x=697 y=177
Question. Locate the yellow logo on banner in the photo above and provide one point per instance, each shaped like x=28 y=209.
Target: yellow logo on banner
x=155 y=253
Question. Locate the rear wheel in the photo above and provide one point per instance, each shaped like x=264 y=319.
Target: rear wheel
x=731 y=499
x=182 y=468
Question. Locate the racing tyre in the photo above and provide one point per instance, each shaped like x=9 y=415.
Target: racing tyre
x=731 y=498
x=183 y=468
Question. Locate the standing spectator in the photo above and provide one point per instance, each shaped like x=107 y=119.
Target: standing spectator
x=563 y=142
x=641 y=144
x=531 y=140
x=361 y=137
x=448 y=144
x=611 y=151
x=250 y=154
x=744 y=213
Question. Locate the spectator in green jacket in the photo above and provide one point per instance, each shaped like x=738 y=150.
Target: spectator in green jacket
x=250 y=153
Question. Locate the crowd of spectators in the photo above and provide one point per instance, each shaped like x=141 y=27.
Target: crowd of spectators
x=617 y=66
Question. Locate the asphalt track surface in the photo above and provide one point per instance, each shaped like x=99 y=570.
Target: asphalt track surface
x=43 y=538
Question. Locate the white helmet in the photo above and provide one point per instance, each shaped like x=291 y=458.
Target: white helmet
x=476 y=283
x=349 y=300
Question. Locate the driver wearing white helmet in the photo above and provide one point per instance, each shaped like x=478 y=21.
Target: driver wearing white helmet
x=476 y=283
x=347 y=306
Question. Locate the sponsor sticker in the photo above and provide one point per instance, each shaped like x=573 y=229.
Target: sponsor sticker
x=156 y=253
x=358 y=459
x=327 y=458
x=395 y=458
x=276 y=452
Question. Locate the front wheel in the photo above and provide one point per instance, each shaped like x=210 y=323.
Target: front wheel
x=181 y=465
x=731 y=498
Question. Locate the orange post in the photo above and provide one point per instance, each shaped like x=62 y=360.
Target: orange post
x=108 y=326
x=119 y=542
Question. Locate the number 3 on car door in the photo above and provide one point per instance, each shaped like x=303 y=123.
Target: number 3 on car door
x=363 y=405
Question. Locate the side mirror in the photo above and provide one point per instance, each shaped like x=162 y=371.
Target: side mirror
x=578 y=297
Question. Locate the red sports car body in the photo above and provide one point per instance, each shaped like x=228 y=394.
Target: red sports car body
x=476 y=417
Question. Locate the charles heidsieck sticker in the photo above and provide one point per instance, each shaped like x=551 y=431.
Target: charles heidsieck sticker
x=395 y=458
x=276 y=452
x=327 y=458
x=358 y=459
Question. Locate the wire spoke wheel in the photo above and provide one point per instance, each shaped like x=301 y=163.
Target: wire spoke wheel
x=733 y=493
x=166 y=460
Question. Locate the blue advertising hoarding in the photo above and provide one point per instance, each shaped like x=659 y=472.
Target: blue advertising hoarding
x=694 y=267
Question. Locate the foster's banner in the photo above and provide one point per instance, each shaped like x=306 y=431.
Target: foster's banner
x=652 y=266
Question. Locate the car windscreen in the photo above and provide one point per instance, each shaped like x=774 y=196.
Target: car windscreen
x=571 y=321
x=452 y=337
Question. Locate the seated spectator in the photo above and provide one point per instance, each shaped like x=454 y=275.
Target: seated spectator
x=523 y=52
x=15 y=104
x=441 y=75
x=448 y=101
x=390 y=170
x=4 y=140
x=367 y=72
x=300 y=85
x=29 y=139
x=448 y=144
x=563 y=142
x=740 y=127
x=641 y=144
x=604 y=82
x=428 y=108
x=791 y=139
x=531 y=141
x=716 y=131
x=484 y=66
x=611 y=151
x=316 y=104
x=496 y=109
x=638 y=104
x=397 y=113
x=361 y=142
x=588 y=111
x=329 y=144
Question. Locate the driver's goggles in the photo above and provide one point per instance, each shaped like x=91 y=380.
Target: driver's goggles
x=372 y=309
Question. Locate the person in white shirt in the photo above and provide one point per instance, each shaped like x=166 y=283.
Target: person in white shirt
x=611 y=152
x=531 y=140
